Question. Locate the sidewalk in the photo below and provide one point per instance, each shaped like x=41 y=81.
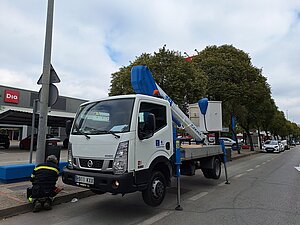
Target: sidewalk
x=13 y=196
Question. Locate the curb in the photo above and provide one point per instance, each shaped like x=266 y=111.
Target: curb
x=16 y=210
x=245 y=155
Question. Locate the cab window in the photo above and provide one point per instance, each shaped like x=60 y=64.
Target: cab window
x=159 y=112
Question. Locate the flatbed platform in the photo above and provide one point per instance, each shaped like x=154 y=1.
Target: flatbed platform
x=189 y=152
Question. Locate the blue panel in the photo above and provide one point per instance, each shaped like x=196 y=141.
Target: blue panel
x=142 y=80
x=203 y=104
x=19 y=172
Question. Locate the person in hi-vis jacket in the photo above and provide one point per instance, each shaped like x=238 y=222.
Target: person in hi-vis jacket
x=43 y=180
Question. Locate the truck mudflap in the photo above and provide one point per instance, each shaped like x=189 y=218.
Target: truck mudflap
x=123 y=183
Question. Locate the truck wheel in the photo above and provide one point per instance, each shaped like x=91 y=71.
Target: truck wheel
x=156 y=190
x=215 y=172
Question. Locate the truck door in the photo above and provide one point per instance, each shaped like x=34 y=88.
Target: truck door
x=160 y=143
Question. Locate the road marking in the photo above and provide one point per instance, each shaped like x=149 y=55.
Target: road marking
x=297 y=168
x=196 y=197
x=249 y=170
x=264 y=163
x=239 y=175
x=155 y=218
x=257 y=166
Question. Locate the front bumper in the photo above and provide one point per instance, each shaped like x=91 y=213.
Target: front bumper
x=103 y=182
x=271 y=150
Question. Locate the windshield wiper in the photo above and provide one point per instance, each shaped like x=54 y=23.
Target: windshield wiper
x=105 y=132
x=80 y=132
x=113 y=133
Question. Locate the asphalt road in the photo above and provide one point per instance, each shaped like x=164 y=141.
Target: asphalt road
x=264 y=190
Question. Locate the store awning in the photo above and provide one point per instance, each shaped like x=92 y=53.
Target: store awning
x=23 y=116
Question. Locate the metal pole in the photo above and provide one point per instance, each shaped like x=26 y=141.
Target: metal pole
x=44 y=97
x=225 y=161
x=178 y=162
x=32 y=128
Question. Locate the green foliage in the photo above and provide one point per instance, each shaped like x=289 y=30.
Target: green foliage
x=233 y=80
x=184 y=82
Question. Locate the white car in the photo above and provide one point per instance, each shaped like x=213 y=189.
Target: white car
x=227 y=141
x=272 y=146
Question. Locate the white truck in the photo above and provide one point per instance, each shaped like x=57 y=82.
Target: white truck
x=127 y=143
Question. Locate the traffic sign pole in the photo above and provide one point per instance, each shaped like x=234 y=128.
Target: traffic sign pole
x=44 y=98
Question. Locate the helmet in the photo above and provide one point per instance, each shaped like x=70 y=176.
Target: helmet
x=52 y=158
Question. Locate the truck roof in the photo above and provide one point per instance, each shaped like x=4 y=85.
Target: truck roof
x=137 y=96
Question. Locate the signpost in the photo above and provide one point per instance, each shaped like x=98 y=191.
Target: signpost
x=45 y=81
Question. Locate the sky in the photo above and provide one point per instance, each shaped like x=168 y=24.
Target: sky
x=94 y=38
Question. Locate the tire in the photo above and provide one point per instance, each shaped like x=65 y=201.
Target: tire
x=215 y=172
x=156 y=190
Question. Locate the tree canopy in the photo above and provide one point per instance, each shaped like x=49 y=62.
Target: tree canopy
x=183 y=81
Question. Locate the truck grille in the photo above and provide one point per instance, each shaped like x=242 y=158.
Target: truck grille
x=89 y=163
x=95 y=164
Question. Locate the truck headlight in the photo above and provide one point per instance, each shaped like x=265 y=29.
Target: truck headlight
x=70 y=156
x=121 y=158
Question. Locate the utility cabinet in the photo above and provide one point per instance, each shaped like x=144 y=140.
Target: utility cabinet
x=213 y=117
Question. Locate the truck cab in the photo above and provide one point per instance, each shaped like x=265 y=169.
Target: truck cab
x=122 y=144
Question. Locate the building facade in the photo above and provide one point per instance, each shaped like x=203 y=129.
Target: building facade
x=16 y=107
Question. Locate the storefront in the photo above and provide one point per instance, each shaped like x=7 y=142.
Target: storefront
x=16 y=107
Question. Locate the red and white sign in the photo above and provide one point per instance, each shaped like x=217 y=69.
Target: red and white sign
x=11 y=96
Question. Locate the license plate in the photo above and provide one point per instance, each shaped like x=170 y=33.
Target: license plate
x=83 y=179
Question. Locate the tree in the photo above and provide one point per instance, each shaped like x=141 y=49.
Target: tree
x=233 y=80
x=182 y=81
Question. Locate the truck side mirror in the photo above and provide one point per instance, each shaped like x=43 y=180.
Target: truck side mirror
x=146 y=126
x=68 y=127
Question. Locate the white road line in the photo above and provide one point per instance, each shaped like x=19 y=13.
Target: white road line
x=264 y=163
x=239 y=175
x=250 y=170
x=257 y=166
x=196 y=197
x=155 y=218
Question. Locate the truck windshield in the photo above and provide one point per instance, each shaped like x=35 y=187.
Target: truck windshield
x=103 y=117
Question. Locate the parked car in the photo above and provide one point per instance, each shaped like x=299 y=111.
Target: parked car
x=4 y=141
x=282 y=149
x=228 y=141
x=25 y=143
x=285 y=144
x=272 y=146
x=292 y=143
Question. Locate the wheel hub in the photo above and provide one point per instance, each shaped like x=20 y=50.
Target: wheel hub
x=157 y=189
